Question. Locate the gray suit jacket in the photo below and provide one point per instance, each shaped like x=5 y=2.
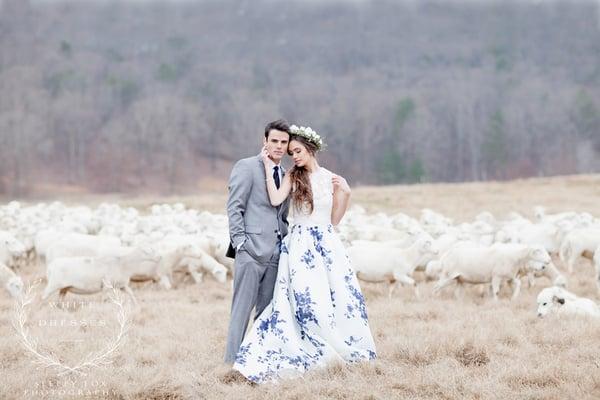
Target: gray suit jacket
x=251 y=215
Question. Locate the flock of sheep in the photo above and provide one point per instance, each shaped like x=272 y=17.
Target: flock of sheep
x=486 y=251
x=82 y=250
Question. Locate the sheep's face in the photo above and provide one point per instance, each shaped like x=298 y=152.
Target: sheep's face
x=15 y=286
x=539 y=259
x=537 y=266
x=549 y=299
x=544 y=307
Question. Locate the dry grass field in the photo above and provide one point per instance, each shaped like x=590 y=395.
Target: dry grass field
x=432 y=348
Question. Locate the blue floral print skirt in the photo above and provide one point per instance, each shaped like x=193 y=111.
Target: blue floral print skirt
x=317 y=314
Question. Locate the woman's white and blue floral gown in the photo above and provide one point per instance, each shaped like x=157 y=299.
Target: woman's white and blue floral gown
x=318 y=312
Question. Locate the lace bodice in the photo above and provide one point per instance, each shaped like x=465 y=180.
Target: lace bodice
x=322 y=189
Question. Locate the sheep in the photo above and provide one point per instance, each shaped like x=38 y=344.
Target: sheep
x=541 y=216
x=580 y=242
x=479 y=231
x=79 y=245
x=432 y=218
x=494 y=264
x=87 y=275
x=379 y=264
x=170 y=256
x=194 y=266
x=10 y=281
x=150 y=268
x=545 y=234
x=561 y=301
x=411 y=238
x=433 y=268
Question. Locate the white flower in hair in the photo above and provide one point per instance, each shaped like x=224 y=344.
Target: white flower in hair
x=308 y=133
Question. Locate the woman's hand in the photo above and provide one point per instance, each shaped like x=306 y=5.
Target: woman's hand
x=341 y=198
x=266 y=160
x=339 y=183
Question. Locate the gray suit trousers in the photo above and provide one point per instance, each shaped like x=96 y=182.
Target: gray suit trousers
x=253 y=285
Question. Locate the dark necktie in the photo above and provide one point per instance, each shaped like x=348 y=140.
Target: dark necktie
x=276 y=176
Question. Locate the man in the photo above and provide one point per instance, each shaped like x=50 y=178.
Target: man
x=255 y=230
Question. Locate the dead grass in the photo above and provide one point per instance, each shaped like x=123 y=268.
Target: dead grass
x=433 y=348
x=469 y=356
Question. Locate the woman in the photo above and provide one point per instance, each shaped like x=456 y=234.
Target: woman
x=318 y=313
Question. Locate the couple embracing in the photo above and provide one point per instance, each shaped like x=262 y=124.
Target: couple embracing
x=309 y=307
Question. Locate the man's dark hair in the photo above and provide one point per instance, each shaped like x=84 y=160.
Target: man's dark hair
x=281 y=125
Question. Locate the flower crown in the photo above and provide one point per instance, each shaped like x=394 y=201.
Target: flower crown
x=309 y=134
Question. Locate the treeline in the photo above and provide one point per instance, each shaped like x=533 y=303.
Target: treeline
x=126 y=96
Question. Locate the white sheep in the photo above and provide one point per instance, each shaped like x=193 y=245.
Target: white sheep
x=170 y=255
x=388 y=264
x=579 y=242
x=196 y=266
x=80 y=245
x=545 y=234
x=445 y=243
x=561 y=301
x=494 y=265
x=87 y=275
